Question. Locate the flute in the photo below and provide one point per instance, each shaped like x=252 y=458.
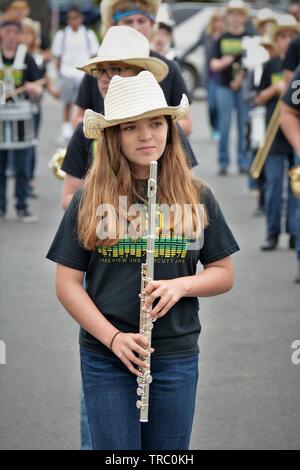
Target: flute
x=147 y=275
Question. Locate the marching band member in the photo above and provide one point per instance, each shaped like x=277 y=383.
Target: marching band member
x=17 y=68
x=124 y=51
x=137 y=128
x=226 y=62
x=290 y=124
x=271 y=87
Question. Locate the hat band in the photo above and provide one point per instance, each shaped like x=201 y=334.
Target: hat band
x=119 y=15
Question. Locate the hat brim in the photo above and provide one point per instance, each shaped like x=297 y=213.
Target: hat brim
x=94 y=123
x=240 y=10
x=154 y=65
x=278 y=29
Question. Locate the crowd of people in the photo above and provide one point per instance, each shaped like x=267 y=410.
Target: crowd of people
x=137 y=99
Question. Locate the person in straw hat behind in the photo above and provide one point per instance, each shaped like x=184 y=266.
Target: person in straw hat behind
x=271 y=87
x=139 y=15
x=138 y=127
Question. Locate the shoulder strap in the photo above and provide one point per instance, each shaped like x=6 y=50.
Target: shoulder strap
x=19 y=61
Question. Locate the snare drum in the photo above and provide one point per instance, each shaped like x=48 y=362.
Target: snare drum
x=17 y=125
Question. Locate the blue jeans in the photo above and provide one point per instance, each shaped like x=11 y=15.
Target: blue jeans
x=22 y=168
x=211 y=87
x=85 y=433
x=227 y=101
x=274 y=171
x=110 y=394
x=298 y=227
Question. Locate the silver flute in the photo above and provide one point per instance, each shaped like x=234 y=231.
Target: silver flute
x=147 y=274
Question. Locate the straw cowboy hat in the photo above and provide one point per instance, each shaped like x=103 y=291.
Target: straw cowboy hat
x=107 y=8
x=285 y=23
x=265 y=15
x=130 y=99
x=237 y=5
x=125 y=44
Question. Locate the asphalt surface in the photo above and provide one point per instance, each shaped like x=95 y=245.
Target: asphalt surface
x=248 y=394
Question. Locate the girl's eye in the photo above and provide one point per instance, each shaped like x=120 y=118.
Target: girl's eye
x=157 y=124
x=127 y=128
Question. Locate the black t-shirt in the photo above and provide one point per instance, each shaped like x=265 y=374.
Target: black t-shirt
x=292 y=95
x=292 y=58
x=80 y=153
x=29 y=74
x=229 y=44
x=113 y=277
x=89 y=96
x=173 y=87
x=272 y=72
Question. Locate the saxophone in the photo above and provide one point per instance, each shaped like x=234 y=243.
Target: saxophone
x=147 y=274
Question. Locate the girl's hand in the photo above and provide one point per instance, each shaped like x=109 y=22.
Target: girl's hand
x=169 y=291
x=125 y=345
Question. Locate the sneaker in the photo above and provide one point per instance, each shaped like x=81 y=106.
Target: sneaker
x=270 y=244
x=297 y=279
x=26 y=217
x=292 y=242
x=222 y=172
x=2 y=215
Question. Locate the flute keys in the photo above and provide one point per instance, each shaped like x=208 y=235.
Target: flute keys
x=139 y=404
x=148 y=379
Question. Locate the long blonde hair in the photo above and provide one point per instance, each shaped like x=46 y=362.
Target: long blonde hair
x=111 y=176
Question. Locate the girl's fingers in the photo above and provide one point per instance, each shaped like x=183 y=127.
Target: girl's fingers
x=163 y=301
x=165 y=310
x=136 y=360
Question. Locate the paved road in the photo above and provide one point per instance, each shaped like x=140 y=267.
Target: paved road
x=248 y=394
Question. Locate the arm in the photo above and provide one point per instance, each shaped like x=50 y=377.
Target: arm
x=217 y=278
x=217 y=65
x=186 y=124
x=290 y=124
x=266 y=95
x=71 y=184
x=77 y=116
x=79 y=305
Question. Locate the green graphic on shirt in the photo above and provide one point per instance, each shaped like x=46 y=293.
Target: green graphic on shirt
x=17 y=75
x=276 y=77
x=165 y=247
x=231 y=46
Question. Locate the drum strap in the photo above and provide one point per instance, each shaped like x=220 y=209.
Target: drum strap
x=19 y=62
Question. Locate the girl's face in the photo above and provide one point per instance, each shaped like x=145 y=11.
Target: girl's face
x=27 y=37
x=143 y=141
x=283 y=40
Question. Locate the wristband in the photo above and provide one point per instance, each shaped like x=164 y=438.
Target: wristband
x=113 y=338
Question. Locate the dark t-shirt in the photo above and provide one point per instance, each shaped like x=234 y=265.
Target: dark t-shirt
x=272 y=72
x=292 y=95
x=173 y=87
x=80 y=153
x=113 y=277
x=29 y=74
x=229 y=44
x=292 y=58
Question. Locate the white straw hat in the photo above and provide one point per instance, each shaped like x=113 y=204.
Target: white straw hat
x=237 y=5
x=125 y=44
x=107 y=9
x=130 y=99
x=285 y=23
x=265 y=14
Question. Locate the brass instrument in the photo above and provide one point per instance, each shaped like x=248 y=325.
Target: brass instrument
x=56 y=163
x=147 y=274
x=294 y=174
x=262 y=153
